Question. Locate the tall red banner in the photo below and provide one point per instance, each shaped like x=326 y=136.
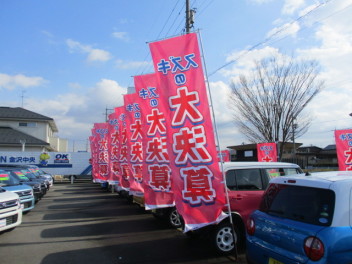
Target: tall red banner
x=134 y=143
x=196 y=178
x=224 y=156
x=343 y=139
x=101 y=132
x=94 y=156
x=156 y=165
x=267 y=152
x=125 y=173
x=113 y=148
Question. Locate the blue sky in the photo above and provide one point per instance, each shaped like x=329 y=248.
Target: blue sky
x=72 y=59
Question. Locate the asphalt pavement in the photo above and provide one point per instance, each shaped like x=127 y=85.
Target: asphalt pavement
x=82 y=223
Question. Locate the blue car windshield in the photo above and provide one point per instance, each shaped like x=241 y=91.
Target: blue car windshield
x=28 y=174
x=17 y=174
x=304 y=204
x=7 y=180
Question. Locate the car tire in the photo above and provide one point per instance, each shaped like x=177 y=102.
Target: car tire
x=223 y=238
x=174 y=218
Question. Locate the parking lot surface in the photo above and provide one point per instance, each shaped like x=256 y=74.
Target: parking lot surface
x=82 y=223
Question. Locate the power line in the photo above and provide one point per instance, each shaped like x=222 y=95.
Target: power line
x=168 y=19
x=269 y=37
x=316 y=22
x=178 y=29
x=179 y=13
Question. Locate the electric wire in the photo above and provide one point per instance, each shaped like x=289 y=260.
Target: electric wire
x=315 y=23
x=177 y=30
x=177 y=17
x=269 y=37
x=167 y=20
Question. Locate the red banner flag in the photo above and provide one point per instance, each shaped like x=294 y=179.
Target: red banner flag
x=196 y=178
x=343 y=139
x=94 y=156
x=113 y=148
x=122 y=159
x=134 y=143
x=100 y=132
x=156 y=165
x=267 y=152
x=224 y=155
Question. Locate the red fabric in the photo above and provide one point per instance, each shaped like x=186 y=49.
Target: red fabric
x=114 y=149
x=196 y=178
x=134 y=143
x=225 y=156
x=93 y=150
x=100 y=131
x=267 y=152
x=122 y=160
x=156 y=163
x=343 y=139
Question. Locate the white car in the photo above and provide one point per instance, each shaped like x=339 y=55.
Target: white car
x=10 y=210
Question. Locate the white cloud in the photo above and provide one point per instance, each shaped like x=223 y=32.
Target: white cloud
x=98 y=55
x=288 y=29
x=332 y=106
x=332 y=48
x=75 y=112
x=244 y=60
x=121 y=64
x=13 y=81
x=108 y=93
x=93 y=54
x=290 y=6
x=228 y=133
x=121 y=35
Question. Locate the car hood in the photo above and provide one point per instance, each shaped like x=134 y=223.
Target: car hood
x=17 y=188
x=6 y=196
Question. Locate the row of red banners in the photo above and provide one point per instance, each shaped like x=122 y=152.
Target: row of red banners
x=161 y=143
x=343 y=139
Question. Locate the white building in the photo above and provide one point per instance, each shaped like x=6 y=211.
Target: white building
x=21 y=129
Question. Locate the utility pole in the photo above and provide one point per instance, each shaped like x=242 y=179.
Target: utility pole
x=189 y=17
x=107 y=112
x=22 y=96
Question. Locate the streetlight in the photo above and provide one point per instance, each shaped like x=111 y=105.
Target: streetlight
x=294 y=127
x=23 y=142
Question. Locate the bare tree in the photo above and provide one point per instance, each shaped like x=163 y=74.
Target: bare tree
x=268 y=102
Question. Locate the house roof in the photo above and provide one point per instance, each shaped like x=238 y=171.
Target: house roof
x=19 y=113
x=254 y=146
x=10 y=136
x=330 y=147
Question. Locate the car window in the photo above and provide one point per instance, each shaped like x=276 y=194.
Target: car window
x=303 y=204
x=245 y=179
x=276 y=172
x=19 y=175
x=28 y=174
x=5 y=179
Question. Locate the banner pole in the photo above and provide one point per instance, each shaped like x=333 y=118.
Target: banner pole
x=218 y=143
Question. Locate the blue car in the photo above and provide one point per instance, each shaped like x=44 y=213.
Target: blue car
x=303 y=219
x=24 y=191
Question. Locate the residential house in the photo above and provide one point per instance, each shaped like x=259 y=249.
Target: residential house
x=22 y=129
x=306 y=156
x=248 y=152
